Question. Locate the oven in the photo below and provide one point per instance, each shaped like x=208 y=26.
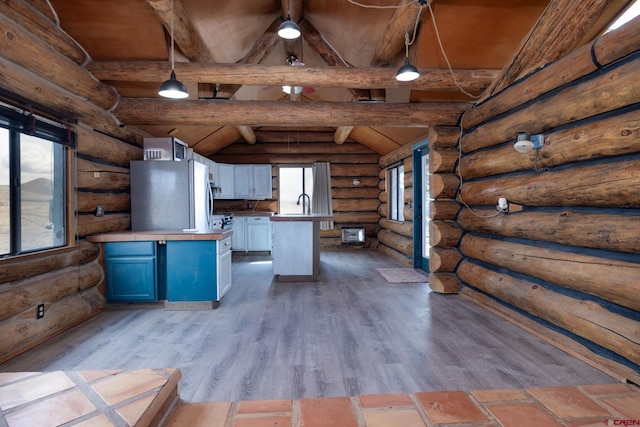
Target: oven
x=222 y=221
x=227 y=221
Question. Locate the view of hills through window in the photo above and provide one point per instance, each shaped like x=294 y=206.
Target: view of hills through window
x=39 y=209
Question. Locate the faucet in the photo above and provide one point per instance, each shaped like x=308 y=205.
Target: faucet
x=308 y=204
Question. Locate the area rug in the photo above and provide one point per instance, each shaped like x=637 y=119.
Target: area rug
x=403 y=275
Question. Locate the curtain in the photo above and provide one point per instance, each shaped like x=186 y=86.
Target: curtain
x=321 y=199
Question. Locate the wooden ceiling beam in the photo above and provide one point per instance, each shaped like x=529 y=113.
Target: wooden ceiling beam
x=560 y=29
x=148 y=111
x=248 y=134
x=405 y=19
x=318 y=43
x=392 y=43
x=315 y=40
x=264 y=75
x=373 y=139
x=32 y=17
x=292 y=8
x=295 y=135
x=342 y=133
x=184 y=34
x=261 y=48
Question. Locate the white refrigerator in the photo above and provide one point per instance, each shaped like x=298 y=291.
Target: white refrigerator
x=170 y=195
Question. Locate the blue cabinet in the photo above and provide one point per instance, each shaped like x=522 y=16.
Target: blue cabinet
x=175 y=270
x=191 y=270
x=131 y=271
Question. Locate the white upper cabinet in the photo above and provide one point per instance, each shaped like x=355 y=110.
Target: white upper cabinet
x=262 y=182
x=252 y=182
x=225 y=181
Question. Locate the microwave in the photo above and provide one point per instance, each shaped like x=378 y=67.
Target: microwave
x=167 y=148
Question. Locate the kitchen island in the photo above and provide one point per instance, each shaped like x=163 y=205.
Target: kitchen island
x=296 y=246
x=185 y=269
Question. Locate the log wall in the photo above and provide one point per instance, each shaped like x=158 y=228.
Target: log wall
x=566 y=254
x=353 y=205
x=444 y=233
x=68 y=281
x=396 y=238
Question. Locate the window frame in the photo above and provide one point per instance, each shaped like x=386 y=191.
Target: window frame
x=395 y=192
x=293 y=166
x=24 y=121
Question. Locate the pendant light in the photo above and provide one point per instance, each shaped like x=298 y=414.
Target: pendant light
x=408 y=72
x=173 y=88
x=288 y=29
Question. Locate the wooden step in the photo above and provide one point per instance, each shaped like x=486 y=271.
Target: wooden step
x=143 y=397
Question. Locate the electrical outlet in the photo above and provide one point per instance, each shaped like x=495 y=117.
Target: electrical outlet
x=100 y=210
x=40 y=311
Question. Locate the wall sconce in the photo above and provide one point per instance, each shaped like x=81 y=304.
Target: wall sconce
x=503 y=205
x=526 y=142
x=356 y=181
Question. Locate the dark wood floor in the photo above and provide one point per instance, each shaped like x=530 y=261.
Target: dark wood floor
x=350 y=333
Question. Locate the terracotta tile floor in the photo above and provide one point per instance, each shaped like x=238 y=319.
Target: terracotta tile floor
x=87 y=398
x=141 y=397
x=536 y=407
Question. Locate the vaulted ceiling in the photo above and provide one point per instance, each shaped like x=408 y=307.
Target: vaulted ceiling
x=234 y=65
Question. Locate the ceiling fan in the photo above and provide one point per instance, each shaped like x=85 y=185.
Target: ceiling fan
x=294 y=90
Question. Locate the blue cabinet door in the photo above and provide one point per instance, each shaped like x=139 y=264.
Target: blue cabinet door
x=131 y=271
x=131 y=279
x=191 y=270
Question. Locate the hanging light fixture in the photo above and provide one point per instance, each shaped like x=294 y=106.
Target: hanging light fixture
x=173 y=88
x=408 y=71
x=288 y=29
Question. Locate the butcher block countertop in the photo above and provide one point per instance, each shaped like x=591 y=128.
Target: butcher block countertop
x=302 y=217
x=159 y=235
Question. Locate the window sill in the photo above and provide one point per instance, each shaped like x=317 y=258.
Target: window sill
x=37 y=255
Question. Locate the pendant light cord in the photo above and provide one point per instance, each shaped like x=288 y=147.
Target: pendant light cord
x=415 y=29
x=172 y=42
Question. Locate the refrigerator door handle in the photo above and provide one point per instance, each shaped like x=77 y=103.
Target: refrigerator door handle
x=210 y=206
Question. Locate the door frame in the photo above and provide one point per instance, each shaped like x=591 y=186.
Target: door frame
x=420 y=260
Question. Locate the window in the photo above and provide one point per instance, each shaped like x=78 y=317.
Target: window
x=395 y=187
x=631 y=12
x=32 y=183
x=295 y=183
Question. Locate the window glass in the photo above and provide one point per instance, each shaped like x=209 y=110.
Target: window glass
x=41 y=190
x=628 y=15
x=294 y=185
x=396 y=192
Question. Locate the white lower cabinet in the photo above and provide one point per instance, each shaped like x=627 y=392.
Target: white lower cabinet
x=239 y=233
x=258 y=233
x=251 y=233
x=224 y=266
x=295 y=251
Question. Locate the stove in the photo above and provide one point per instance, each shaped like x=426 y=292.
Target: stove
x=222 y=220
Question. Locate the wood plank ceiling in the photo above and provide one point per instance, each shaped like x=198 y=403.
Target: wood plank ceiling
x=234 y=65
